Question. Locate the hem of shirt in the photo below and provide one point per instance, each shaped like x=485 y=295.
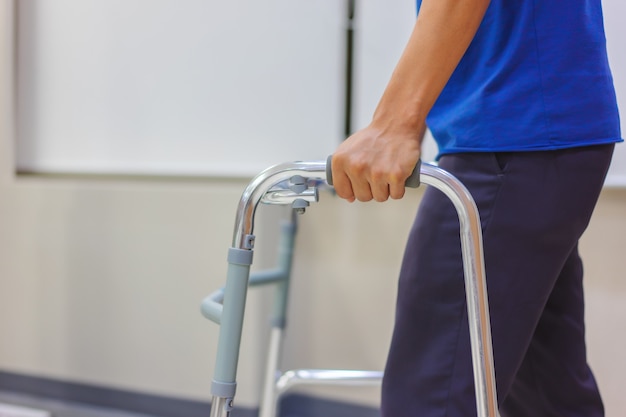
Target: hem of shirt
x=547 y=147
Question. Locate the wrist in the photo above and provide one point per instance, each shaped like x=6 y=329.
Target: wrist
x=400 y=119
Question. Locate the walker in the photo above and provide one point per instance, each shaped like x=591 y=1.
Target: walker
x=297 y=184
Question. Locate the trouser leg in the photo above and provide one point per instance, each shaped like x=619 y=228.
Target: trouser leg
x=554 y=379
x=533 y=208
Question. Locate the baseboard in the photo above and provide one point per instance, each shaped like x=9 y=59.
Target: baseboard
x=136 y=402
x=292 y=405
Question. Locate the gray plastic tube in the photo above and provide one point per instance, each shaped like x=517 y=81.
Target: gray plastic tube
x=412 y=182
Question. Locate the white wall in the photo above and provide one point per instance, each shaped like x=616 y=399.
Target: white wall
x=101 y=279
x=177 y=87
x=603 y=249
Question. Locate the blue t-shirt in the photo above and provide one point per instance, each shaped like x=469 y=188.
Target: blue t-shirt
x=535 y=77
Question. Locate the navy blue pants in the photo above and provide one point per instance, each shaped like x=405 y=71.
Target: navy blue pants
x=534 y=206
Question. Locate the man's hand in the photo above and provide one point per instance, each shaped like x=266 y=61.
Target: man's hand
x=374 y=163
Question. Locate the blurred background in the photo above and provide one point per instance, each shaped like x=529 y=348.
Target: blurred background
x=128 y=131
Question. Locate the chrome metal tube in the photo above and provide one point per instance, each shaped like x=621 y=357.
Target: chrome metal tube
x=261 y=184
x=475 y=285
x=220 y=407
x=327 y=377
x=270 y=397
x=284 y=197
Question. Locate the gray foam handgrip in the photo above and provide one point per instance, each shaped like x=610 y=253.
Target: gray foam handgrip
x=413 y=181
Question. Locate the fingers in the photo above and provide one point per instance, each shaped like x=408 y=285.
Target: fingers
x=364 y=183
x=397 y=189
x=349 y=179
x=357 y=171
x=342 y=184
x=381 y=192
x=370 y=165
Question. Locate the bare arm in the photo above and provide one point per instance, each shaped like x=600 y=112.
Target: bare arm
x=375 y=161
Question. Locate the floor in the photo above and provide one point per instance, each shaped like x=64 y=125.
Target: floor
x=291 y=406
x=55 y=408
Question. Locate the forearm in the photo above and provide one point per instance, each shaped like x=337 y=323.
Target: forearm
x=443 y=30
x=375 y=161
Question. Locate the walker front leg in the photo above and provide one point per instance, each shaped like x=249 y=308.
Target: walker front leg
x=231 y=323
x=229 y=311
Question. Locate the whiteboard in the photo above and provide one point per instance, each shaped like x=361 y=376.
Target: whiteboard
x=218 y=88
x=180 y=87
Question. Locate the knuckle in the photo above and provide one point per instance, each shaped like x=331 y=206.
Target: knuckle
x=359 y=167
x=397 y=175
x=377 y=174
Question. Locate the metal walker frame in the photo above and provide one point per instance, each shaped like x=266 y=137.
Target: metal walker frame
x=297 y=184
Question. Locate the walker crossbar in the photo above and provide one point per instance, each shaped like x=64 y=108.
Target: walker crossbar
x=296 y=184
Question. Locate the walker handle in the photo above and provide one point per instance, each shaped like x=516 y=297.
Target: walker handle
x=413 y=181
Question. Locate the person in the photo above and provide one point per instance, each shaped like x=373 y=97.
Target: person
x=519 y=97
